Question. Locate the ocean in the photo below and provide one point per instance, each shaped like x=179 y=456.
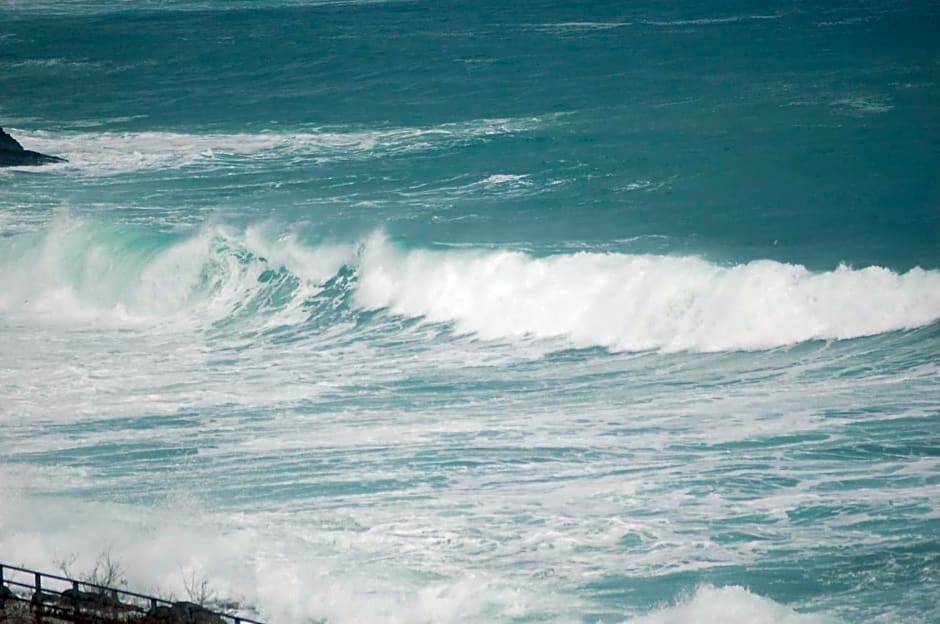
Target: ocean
x=429 y=312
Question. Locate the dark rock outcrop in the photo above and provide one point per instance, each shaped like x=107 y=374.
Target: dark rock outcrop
x=96 y=600
x=12 y=154
x=41 y=597
x=182 y=613
x=6 y=594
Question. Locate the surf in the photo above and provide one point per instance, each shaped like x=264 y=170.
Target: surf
x=616 y=301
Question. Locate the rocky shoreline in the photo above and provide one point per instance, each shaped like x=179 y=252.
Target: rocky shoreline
x=12 y=154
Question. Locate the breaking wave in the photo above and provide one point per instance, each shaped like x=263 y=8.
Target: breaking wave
x=642 y=302
x=620 y=302
x=81 y=271
x=730 y=605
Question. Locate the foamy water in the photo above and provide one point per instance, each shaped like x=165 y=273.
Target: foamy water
x=385 y=312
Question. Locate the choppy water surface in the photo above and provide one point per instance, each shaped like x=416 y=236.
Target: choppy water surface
x=435 y=312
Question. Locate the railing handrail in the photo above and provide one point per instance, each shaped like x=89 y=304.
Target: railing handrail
x=85 y=583
x=153 y=600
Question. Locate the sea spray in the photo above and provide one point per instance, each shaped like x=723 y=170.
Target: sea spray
x=621 y=302
x=553 y=312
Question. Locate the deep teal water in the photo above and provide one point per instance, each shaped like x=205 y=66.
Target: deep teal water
x=478 y=312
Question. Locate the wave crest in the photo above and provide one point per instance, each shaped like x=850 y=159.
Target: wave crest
x=83 y=271
x=620 y=302
x=642 y=302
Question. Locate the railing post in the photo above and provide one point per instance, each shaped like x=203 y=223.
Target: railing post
x=1 y=574
x=153 y=604
x=37 y=598
x=75 y=596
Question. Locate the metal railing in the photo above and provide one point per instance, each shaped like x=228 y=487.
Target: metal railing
x=64 y=598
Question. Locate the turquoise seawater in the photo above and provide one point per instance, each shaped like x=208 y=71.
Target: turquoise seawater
x=478 y=312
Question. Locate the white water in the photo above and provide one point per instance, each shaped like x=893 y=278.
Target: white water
x=617 y=301
x=641 y=302
x=727 y=605
x=115 y=153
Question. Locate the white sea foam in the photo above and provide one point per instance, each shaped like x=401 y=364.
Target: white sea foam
x=278 y=573
x=47 y=63
x=728 y=605
x=504 y=178
x=642 y=302
x=577 y=27
x=709 y=21
x=283 y=569
x=519 y=484
x=112 y=153
x=76 y=270
x=863 y=105
x=94 y=7
x=621 y=302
